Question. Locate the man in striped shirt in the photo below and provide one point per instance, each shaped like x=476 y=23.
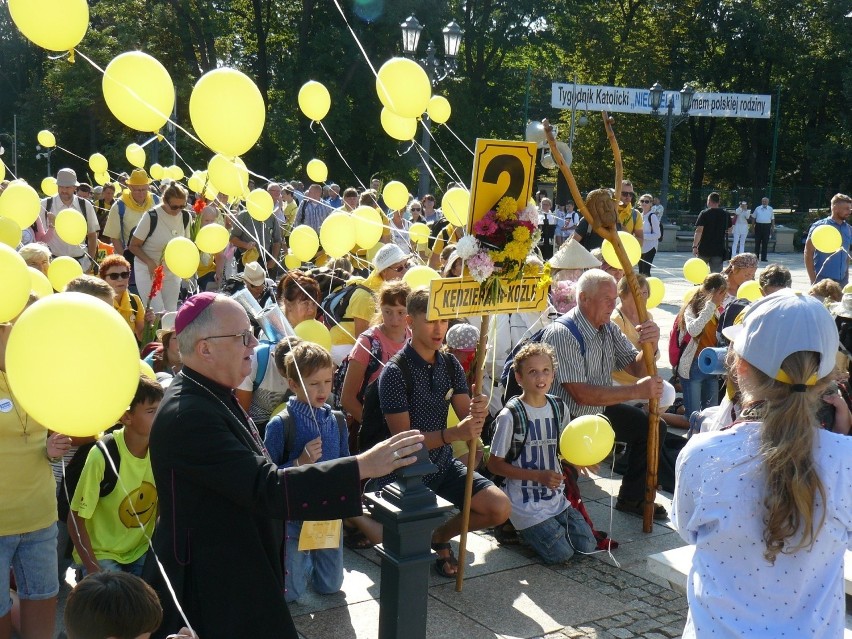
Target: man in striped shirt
x=588 y=352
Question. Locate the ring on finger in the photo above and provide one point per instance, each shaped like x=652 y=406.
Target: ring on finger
x=396 y=454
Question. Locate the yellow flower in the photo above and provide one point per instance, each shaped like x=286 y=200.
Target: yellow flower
x=521 y=234
x=507 y=209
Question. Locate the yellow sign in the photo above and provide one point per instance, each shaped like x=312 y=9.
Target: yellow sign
x=501 y=168
x=458 y=297
x=320 y=535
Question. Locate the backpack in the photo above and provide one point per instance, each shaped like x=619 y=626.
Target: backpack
x=335 y=305
x=290 y=432
x=340 y=374
x=676 y=344
x=660 y=224
x=152 y=226
x=74 y=469
x=261 y=354
x=507 y=376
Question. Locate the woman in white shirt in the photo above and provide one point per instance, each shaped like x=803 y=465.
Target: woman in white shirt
x=651 y=237
x=740 y=229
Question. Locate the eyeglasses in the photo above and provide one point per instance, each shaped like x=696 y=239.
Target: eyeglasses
x=400 y=268
x=644 y=201
x=176 y=207
x=416 y=208
x=626 y=193
x=247 y=336
x=118 y=276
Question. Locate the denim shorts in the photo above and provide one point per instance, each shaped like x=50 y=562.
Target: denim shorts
x=451 y=483
x=32 y=557
x=556 y=539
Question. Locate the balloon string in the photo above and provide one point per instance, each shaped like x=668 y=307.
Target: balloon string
x=328 y=135
x=422 y=153
x=416 y=147
x=9 y=169
x=469 y=150
x=435 y=141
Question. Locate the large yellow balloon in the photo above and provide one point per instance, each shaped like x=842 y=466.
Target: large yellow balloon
x=395 y=195
x=826 y=239
x=455 y=205
x=174 y=172
x=56 y=25
x=227 y=111
x=135 y=155
x=313 y=331
x=10 y=232
x=48 y=342
x=62 y=270
x=227 y=176
x=317 y=170
x=314 y=100
x=403 y=87
x=182 y=257
x=20 y=202
x=631 y=247
x=157 y=171
x=139 y=91
x=439 y=109
x=46 y=138
x=71 y=226
x=368 y=226
x=656 y=291
x=750 y=290
x=146 y=370
x=102 y=178
x=15 y=284
x=2 y=169
x=419 y=233
x=212 y=238
x=586 y=440
x=259 y=204
x=39 y=283
x=292 y=262
x=304 y=242
x=98 y=163
x=695 y=270
x=397 y=126
x=337 y=234
x=420 y=275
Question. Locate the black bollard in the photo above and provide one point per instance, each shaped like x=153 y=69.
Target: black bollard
x=409 y=512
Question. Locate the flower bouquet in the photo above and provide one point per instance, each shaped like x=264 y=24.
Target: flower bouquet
x=149 y=334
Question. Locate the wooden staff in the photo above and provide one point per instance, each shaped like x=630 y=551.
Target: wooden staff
x=605 y=226
x=479 y=365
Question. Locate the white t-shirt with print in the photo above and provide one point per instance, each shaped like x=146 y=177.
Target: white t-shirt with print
x=168 y=227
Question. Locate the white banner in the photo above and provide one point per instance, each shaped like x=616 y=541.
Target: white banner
x=618 y=100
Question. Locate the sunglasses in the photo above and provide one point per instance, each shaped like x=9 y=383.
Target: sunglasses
x=176 y=207
x=247 y=336
x=644 y=201
x=416 y=208
x=626 y=193
x=400 y=269
x=118 y=276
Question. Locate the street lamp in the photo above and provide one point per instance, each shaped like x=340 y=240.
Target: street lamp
x=437 y=70
x=672 y=121
x=45 y=155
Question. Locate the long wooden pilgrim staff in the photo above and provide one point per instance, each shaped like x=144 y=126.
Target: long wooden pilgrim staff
x=602 y=219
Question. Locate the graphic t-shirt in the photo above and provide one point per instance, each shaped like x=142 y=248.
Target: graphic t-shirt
x=532 y=503
x=270 y=393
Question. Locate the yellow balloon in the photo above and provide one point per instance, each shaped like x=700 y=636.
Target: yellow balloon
x=368 y=226
x=314 y=100
x=403 y=87
x=695 y=270
x=212 y=238
x=313 y=331
x=98 y=163
x=71 y=226
x=102 y=178
x=39 y=283
x=439 y=109
x=62 y=270
x=690 y=293
x=317 y=170
x=2 y=170
x=260 y=204
x=656 y=291
x=146 y=370
x=419 y=232
x=56 y=25
x=826 y=239
x=395 y=195
x=304 y=242
x=156 y=171
x=20 y=202
x=72 y=328
x=337 y=234
x=586 y=440
x=292 y=262
x=15 y=283
x=182 y=257
x=420 y=275
x=631 y=247
x=750 y=290
x=227 y=111
x=10 y=232
x=139 y=91
x=397 y=126
x=227 y=176
x=46 y=138
x=135 y=155
x=455 y=205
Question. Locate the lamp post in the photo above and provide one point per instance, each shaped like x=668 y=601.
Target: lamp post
x=672 y=121
x=436 y=69
x=45 y=154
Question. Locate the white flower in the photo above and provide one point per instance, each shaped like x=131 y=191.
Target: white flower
x=467 y=247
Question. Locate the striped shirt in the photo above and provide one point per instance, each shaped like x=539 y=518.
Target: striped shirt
x=606 y=350
x=312 y=213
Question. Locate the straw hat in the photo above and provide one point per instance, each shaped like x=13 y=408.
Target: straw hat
x=573 y=255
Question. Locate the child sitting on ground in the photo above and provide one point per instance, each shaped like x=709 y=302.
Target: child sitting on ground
x=110 y=531
x=524 y=451
x=305 y=432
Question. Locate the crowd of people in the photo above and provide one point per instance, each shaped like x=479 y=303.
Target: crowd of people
x=248 y=423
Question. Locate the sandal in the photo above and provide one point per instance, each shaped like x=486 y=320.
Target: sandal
x=441 y=563
x=638 y=508
x=354 y=539
x=506 y=535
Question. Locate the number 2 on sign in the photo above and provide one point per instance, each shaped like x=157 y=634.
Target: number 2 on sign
x=502 y=168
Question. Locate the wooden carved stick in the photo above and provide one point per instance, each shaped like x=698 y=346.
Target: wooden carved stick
x=607 y=230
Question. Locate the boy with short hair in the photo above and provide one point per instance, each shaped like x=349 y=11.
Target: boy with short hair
x=111 y=532
x=112 y=605
x=305 y=432
x=534 y=484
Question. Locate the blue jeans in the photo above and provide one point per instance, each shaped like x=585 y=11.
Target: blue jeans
x=323 y=567
x=556 y=539
x=111 y=565
x=32 y=557
x=700 y=390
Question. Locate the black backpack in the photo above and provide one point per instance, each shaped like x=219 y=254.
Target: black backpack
x=340 y=374
x=74 y=468
x=152 y=226
x=290 y=432
x=660 y=223
x=335 y=305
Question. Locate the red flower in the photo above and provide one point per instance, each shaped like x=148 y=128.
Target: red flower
x=156 y=282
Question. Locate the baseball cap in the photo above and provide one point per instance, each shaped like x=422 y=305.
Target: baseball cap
x=781 y=324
